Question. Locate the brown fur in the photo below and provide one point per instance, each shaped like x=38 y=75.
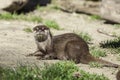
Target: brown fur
x=118 y=75
x=70 y=46
x=43 y=39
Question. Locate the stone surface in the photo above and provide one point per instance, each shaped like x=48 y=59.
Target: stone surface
x=107 y=9
x=12 y=5
x=32 y=4
x=84 y=6
x=110 y=10
x=21 y=5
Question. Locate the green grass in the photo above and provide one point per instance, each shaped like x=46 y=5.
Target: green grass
x=55 y=7
x=113 y=43
x=28 y=30
x=59 y=71
x=114 y=50
x=39 y=8
x=96 y=52
x=52 y=24
x=84 y=36
x=95 y=17
x=63 y=70
x=9 y=16
x=116 y=25
x=95 y=64
x=112 y=46
x=20 y=73
x=49 y=7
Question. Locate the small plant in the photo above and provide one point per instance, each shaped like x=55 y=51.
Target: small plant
x=114 y=50
x=88 y=76
x=115 y=43
x=9 y=16
x=97 y=52
x=37 y=19
x=20 y=73
x=55 y=7
x=49 y=7
x=59 y=71
x=85 y=36
x=95 y=64
x=63 y=70
x=52 y=24
x=95 y=17
x=117 y=25
x=28 y=30
x=40 y=8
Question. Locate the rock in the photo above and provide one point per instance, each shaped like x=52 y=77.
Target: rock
x=110 y=10
x=84 y=6
x=32 y=4
x=12 y=5
x=21 y=5
x=107 y=9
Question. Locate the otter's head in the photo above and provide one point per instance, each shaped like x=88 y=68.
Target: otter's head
x=41 y=33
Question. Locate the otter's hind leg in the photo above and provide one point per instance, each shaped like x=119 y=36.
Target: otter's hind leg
x=73 y=51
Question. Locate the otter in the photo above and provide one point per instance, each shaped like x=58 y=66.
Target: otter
x=68 y=46
x=118 y=75
x=43 y=39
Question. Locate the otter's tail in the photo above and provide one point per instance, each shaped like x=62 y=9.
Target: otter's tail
x=90 y=58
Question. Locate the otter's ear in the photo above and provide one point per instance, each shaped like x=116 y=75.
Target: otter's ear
x=46 y=27
x=34 y=29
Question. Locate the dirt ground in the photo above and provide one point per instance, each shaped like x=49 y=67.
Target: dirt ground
x=15 y=43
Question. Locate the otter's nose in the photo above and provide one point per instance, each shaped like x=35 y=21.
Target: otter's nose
x=42 y=29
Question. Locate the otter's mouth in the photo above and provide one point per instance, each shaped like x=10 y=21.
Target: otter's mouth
x=41 y=37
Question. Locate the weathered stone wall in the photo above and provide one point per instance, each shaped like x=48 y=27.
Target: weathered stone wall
x=110 y=9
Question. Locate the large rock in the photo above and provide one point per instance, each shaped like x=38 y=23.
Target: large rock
x=110 y=10
x=12 y=5
x=32 y=4
x=84 y=6
x=21 y=5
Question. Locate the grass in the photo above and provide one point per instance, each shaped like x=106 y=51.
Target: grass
x=95 y=64
x=84 y=35
x=56 y=7
x=49 y=7
x=95 y=17
x=116 y=25
x=20 y=73
x=9 y=16
x=114 y=50
x=52 y=24
x=59 y=71
x=39 y=8
x=28 y=30
x=96 y=52
x=112 y=45
x=31 y=18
